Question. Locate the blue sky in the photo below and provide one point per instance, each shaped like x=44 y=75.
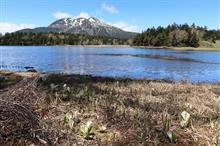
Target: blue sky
x=130 y=15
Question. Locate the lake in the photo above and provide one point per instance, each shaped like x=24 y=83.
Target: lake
x=196 y=66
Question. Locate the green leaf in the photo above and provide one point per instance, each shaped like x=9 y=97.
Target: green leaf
x=71 y=124
x=69 y=120
x=53 y=86
x=171 y=136
x=185 y=118
x=87 y=130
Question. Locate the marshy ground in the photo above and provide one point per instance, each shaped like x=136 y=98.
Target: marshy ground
x=55 y=109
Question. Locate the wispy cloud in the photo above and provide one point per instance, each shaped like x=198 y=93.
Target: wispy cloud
x=109 y=8
x=120 y=24
x=125 y=26
x=98 y=12
x=83 y=15
x=12 y=27
x=60 y=15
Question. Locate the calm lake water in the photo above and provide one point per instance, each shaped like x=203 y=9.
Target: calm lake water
x=120 y=62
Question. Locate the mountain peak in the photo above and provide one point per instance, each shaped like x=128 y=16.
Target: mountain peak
x=93 y=19
x=73 y=22
x=89 y=26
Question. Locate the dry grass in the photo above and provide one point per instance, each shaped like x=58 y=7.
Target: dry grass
x=204 y=46
x=122 y=111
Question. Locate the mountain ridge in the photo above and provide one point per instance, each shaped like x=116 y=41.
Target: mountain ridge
x=88 y=26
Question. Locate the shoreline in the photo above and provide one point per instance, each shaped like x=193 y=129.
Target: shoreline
x=85 y=46
x=101 y=46
x=28 y=74
x=130 y=46
x=194 y=49
x=179 y=48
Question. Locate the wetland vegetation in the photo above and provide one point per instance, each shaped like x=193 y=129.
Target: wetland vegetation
x=59 y=109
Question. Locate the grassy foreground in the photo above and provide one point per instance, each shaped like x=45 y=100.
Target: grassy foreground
x=50 y=109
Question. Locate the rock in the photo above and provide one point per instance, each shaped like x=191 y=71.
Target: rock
x=30 y=69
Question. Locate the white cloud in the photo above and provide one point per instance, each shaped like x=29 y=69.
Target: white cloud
x=109 y=8
x=12 y=27
x=82 y=15
x=125 y=26
x=60 y=15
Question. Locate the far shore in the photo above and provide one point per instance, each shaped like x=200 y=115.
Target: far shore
x=179 y=48
x=66 y=45
x=193 y=49
x=151 y=47
x=100 y=46
x=145 y=47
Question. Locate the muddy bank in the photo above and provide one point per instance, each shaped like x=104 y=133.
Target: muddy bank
x=85 y=110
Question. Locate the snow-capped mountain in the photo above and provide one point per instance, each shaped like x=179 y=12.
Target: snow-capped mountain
x=91 y=26
x=71 y=22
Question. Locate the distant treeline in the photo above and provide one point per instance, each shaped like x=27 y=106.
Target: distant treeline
x=176 y=35
x=173 y=35
x=20 y=38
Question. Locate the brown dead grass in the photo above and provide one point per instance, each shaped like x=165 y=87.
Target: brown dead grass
x=131 y=110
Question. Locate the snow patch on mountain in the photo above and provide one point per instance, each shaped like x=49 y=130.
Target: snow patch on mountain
x=89 y=26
